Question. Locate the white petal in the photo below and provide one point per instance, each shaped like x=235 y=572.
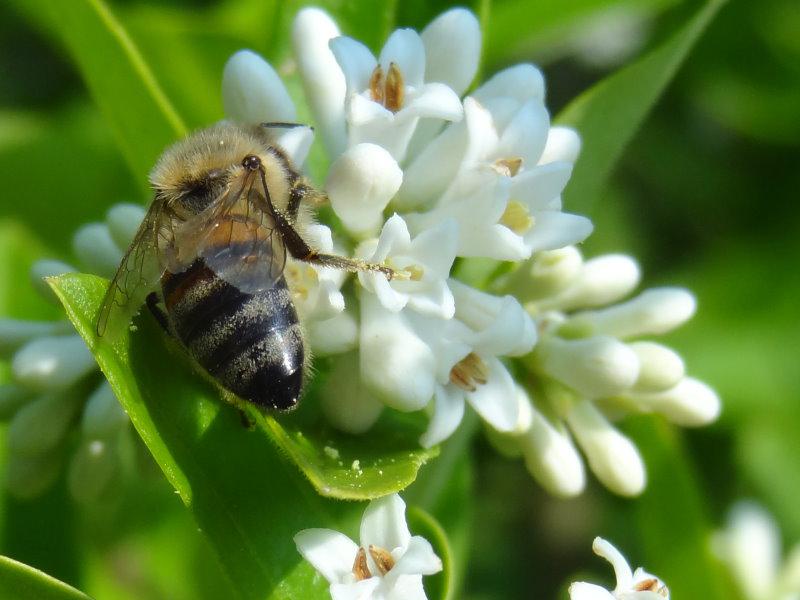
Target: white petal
x=363 y=112
x=435 y=101
x=355 y=60
x=360 y=184
x=123 y=221
x=691 y=403
x=252 y=92
x=660 y=367
x=394 y=239
x=323 y=80
x=553 y=229
x=596 y=367
x=496 y=400
x=419 y=558
x=436 y=249
x=389 y=297
x=346 y=403
x=295 y=141
x=563 y=144
x=384 y=524
x=452 y=48
x=95 y=249
x=51 y=363
x=432 y=170
x=622 y=571
x=526 y=134
x=612 y=457
x=588 y=591
x=654 y=311
x=522 y=82
x=359 y=590
x=332 y=336
x=435 y=300
x=407 y=587
x=538 y=186
x=552 y=459
x=396 y=363
x=448 y=410
x=512 y=333
x=404 y=48
x=329 y=552
x=603 y=280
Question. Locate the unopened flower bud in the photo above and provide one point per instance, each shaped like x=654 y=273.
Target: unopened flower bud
x=690 y=403
x=96 y=250
x=660 y=367
x=602 y=280
x=596 y=367
x=552 y=459
x=48 y=268
x=92 y=470
x=14 y=333
x=360 y=184
x=612 y=457
x=123 y=221
x=253 y=93
x=549 y=273
x=103 y=415
x=654 y=311
x=50 y=363
x=41 y=424
x=346 y=402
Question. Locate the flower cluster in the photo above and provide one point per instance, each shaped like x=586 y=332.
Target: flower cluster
x=750 y=546
x=631 y=585
x=55 y=382
x=422 y=176
x=592 y=366
x=387 y=564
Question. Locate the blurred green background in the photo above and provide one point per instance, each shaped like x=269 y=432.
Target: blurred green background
x=706 y=196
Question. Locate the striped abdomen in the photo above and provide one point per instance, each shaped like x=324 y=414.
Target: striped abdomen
x=250 y=343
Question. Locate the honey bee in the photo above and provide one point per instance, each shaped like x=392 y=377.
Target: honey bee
x=228 y=207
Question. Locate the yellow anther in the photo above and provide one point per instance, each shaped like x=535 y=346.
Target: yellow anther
x=469 y=373
x=517 y=217
x=388 y=89
x=360 y=569
x=383 y=560
x=508 y=166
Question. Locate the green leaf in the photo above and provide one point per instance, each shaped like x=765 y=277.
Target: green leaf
x=243 y=493
x=671 y=519
x=441 y=585
x=21 y=582
x=122 y=84
x=609 y=113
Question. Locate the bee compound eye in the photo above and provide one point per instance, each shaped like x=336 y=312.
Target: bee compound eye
x=251 y=162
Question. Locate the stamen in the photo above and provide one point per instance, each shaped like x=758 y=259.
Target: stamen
x=507 y=166
x=517 y=217
x=377 y=85
x=395 y=89
x=383 y=560
x=360 y=569
x=415 y=272
x=651 y=585
x=388 y=90
x=469 y=373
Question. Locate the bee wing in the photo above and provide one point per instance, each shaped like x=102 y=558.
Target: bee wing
x=241 y=243
x=137 y=274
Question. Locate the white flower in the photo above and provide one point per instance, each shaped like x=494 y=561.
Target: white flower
x=637 y=585
x=590 y=368
x=750 y=546
x=386 y=97
x=387 y=564
x=485 y=173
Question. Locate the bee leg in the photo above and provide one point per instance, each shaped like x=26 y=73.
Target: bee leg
x=155 y=310
x=302 y=192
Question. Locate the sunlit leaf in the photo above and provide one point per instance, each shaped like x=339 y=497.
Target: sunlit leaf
x=21 y=582
x=608 y=114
